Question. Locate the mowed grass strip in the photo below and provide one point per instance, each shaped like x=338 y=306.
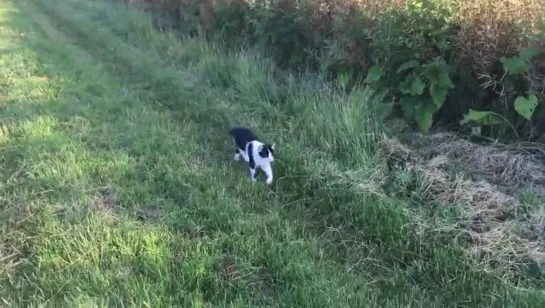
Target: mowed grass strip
x=118 y=187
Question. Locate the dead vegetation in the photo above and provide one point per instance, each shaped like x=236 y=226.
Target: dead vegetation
x=484 y=181
x=503 y=168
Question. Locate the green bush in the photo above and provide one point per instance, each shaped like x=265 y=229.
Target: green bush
x=469 y=64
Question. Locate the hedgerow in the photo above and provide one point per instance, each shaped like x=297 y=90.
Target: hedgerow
x=479 y=65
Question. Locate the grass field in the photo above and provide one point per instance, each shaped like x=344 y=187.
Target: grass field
x=117 y=185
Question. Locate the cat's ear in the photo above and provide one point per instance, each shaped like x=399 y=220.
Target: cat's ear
x=272 y=146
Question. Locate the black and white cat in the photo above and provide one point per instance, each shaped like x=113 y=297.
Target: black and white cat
x=255 y=152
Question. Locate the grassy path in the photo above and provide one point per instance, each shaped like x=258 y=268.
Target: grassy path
x=117 y=186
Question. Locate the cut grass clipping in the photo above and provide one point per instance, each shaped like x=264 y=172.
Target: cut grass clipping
x=505 y=227
x=117 y=186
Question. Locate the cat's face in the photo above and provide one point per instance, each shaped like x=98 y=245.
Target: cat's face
x=267 y=152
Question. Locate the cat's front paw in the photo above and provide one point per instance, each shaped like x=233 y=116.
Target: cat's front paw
x=269 y=180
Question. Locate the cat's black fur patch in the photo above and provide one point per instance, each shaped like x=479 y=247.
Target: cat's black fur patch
x=266 y=150
x=251 y=162
x=242 y=137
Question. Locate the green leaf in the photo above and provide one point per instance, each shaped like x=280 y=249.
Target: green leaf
x=408 y=106
x=444 y=80
x=527 y=54
x=424 y=120
x=412 y=85
x=481 y=117
x=424 y=115
x=438 y=94
x=515 y=66
x=420 y=110
x=408 y=65
x=526 y=106
x=374 y=73
x=437 y=72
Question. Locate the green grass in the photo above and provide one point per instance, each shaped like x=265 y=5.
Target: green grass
x=117 y=185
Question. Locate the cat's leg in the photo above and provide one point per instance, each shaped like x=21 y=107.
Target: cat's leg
x=237 y=155
x=268 y=171
x=252 y=175
x=245 y=156
x=251 y=163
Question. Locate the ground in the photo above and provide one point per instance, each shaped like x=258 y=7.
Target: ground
x=117 y=184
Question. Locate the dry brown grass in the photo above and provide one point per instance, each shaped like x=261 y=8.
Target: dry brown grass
x=498 y=236
x=499 y=166
x=490 y=29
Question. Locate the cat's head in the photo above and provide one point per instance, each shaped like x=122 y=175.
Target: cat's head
x=267 y=151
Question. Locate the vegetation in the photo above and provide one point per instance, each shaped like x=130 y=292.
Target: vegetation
x=441 y=61
x=117 y=186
